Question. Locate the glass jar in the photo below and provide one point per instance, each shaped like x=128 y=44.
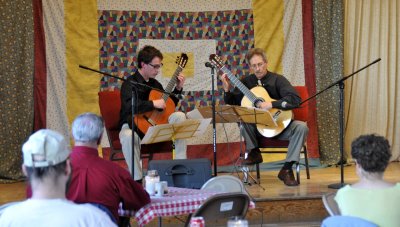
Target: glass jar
x=150 y=181
x=237 y=222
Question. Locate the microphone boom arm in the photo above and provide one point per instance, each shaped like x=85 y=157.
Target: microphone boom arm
x=178 y=96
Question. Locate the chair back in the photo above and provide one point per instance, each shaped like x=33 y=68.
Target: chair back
x=346 y=221
x=224 y=184
x=301 y=113
x=110 y=105
x=219 y=208
x=330 y=204
x=7 y=205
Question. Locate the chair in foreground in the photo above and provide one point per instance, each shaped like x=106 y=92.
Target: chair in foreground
x=330 y=204
x=224 y=184
x=219 y=208
x=346 y=221
x=5 y=206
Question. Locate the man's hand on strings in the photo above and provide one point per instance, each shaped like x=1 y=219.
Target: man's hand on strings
x=226 y=82
x=180 y=81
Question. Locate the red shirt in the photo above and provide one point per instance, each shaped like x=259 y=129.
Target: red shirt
x=95 y=180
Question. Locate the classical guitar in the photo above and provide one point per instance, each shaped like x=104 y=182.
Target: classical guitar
x=281 y=117
x=145 y=120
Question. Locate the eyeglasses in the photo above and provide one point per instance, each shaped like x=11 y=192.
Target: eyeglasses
x=156 y=66
x=256 y=66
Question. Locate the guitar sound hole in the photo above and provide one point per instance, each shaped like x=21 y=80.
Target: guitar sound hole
x=257 y=101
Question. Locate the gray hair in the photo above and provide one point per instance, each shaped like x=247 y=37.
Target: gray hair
x=256 y=51
x=87 y=127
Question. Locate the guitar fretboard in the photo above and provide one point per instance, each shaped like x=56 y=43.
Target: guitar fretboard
x=172 y=82
x=246 y=92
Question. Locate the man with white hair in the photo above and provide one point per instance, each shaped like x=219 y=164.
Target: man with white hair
x=48 y=169
x=98 y=181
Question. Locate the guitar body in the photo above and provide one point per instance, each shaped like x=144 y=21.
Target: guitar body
x=145 y=120
x=281 y=117
x=156 y=117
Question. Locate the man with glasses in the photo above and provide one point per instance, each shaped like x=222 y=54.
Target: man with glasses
x=149 y=65
x=280 y=89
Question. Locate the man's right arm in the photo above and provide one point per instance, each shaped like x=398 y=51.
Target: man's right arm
x=132 y=193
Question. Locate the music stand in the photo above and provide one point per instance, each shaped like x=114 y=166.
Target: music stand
x=182 y=130
x=232 y=114
x=236 y=114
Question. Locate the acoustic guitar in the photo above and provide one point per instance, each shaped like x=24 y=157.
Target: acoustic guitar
x=155 y=117
x=281 y=117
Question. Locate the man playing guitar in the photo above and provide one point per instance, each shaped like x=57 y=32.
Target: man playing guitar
x=285 y=97
x=149 y=64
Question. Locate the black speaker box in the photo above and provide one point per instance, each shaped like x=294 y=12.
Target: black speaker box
x=183 y=173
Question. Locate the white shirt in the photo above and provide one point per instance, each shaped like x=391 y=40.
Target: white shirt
x=53 y=212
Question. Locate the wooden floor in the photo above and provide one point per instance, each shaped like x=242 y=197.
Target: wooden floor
x=276 y=204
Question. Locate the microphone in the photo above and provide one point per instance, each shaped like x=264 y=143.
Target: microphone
x=209 y=65
x=286 y=105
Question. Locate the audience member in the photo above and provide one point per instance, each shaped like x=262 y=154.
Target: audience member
x=98 y=181
x=371 y=198
x=48 y=169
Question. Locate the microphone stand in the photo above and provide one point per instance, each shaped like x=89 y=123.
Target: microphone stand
x=133 y=106
x=209 y=65
x=340 y=83
x=213 y=121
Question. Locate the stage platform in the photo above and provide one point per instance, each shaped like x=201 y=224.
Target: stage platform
x=276 y=204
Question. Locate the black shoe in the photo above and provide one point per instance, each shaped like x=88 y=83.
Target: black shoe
x=287 y=176
x=253 y=157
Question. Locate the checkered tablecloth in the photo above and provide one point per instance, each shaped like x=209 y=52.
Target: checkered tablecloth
x=178 y=201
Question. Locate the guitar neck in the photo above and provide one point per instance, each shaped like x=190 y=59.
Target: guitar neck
x=246 y=92
x=172 y=82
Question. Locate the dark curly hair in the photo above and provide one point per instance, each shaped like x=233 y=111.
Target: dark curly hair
x=372 y=152
x=146 y=55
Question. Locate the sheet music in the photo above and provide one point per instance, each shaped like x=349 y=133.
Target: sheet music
x=183 y=130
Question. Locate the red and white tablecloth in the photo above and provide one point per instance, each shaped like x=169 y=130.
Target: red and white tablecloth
x=178 y=201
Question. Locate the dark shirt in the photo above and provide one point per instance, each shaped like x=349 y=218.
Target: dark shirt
x=95 y=180
x=277 y=86
x=142 y=101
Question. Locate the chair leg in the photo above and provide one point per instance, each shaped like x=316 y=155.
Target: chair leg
x=306 y=161
x=258 y=172
x=298 y=172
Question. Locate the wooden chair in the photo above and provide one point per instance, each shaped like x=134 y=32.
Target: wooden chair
x=110 y=105
x=280 y=146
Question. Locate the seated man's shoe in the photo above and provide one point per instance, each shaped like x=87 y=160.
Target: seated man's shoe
x=286 y=175
x=253 y=157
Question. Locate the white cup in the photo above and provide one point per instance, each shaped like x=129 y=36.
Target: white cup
x=159 y=189
x=151 y=187
x=165 y=186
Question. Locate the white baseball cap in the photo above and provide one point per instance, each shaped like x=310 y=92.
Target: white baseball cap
x=45 y=148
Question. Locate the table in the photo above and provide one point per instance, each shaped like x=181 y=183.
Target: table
x=178 y=201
